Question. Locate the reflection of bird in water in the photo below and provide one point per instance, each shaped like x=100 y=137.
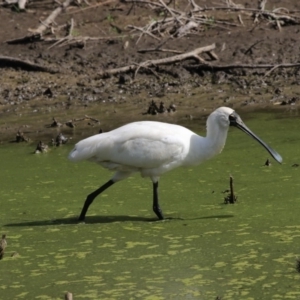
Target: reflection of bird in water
x=3 y=245
x=154 y=148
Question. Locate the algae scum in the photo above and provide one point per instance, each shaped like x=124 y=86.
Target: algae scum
x=206 y=249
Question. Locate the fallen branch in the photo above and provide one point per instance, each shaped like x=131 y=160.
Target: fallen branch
x=37 y=34
x=78 y=40
x=213 y=67
x=26 y=39
x=46 y=24
x=92 y=6
x=175 y=23
x=164 y=61
x=16 y=63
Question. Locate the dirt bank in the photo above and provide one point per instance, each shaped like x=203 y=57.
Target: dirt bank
x=252 y=64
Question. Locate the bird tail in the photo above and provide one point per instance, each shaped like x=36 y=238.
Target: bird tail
x=84 y=149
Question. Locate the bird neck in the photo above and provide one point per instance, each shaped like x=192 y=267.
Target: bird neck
x=215 y=138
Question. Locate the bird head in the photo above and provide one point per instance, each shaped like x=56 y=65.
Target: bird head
x=222 y=116
x=228 y=117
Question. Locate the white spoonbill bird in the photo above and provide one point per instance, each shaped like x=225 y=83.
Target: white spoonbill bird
x=153 y=148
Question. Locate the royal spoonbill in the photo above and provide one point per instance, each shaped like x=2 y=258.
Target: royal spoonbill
x=153 y=148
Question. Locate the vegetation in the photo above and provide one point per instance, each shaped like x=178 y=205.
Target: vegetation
x=206 y=249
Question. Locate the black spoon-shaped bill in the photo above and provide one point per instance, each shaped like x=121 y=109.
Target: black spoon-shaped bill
x=236 y=121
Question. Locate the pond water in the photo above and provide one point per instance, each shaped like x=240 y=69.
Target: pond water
x=206 y=249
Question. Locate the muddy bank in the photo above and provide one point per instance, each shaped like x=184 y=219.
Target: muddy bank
x=230 y=74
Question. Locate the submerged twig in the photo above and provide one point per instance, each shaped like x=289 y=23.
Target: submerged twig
x=297 y=267
x=3 y=245
x=231 y=198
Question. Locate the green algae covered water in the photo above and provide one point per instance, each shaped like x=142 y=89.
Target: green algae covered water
x=206 y=249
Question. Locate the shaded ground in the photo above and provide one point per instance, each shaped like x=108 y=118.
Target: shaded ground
x=29 y=99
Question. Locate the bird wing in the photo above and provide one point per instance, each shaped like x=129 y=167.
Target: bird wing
x=146 y=152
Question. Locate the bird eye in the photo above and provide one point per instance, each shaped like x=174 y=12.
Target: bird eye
x=232 y=118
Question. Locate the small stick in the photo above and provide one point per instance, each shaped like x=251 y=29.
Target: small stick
x=171 y=12
x=159 y=50
x=262 y=4
x=241 y=20
x=68 y=296
x=252 y=46
x=3 y=245
x=232 y=196
x=270 y=71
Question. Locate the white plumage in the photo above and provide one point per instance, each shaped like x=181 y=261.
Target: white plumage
x=153 y=148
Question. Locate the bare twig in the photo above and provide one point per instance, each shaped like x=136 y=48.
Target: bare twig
x=143 y=32
x=92 y=6
x=37 y=34
x=171 y=12
x=262 y=4
x=270 y=71
x=194 y=5
x=252 y=46
x=159 y=50
x=241 y=20
x=62 y=41
x=78 y=40
x=52 y=17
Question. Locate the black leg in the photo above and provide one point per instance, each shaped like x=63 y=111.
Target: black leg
x=156 y=207
x=90 y=198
